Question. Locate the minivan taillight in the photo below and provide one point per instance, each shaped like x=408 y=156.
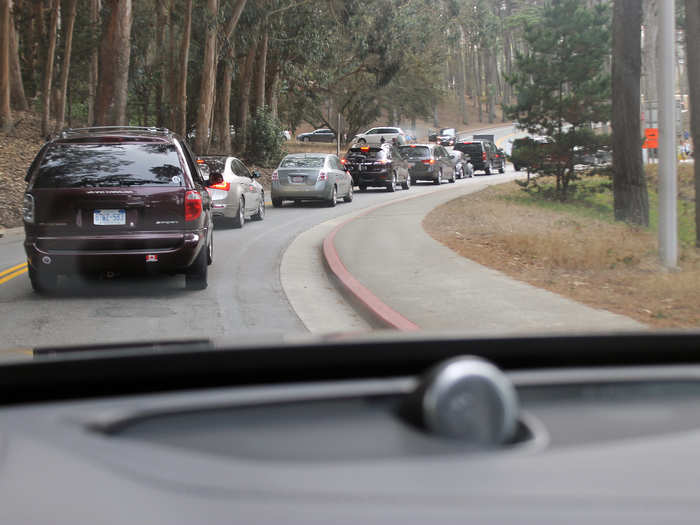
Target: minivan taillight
x=193 y=205
x=28 y=208
x=428 y=161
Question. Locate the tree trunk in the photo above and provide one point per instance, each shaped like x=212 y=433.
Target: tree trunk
x=5 y=36
x=115 y=51
x=65 y=70
x=181 y=97
x=163 y=18
x=208 y=81
x=222 y=117
x=692 y=35
x=459 y=55
x=262 y=65
x=48 y=70
x=244 y=105
x=95 y=6
x=631 y=201
x=479 y=90
x=17 y=96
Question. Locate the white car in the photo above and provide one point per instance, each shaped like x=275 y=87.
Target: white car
x=375 y=135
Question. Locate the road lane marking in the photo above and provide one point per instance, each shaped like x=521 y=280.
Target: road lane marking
x=14 y=268
x=13 y=275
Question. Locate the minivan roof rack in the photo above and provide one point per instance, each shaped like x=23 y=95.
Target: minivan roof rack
x=150 y=129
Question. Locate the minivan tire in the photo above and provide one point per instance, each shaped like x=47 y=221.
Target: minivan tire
x=196 y=275
x=43 y=282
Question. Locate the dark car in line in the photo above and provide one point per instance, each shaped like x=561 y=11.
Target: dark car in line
x=317 y=135
x=379 y=166
x=446 y=137
x=484 y=155
x=429 y=162
x=116 y=200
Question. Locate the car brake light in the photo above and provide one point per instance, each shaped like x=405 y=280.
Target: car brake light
x=200 y=161
x=364 y=148
x=193 y=205
x=28 y=208
x=483 y=155
x=322 y=175
x=428 y=161
x=275 y=176
x=221 y=186
x=343 y=160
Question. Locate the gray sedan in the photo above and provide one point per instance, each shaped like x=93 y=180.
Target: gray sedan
x=235 y=194
x=311 y=176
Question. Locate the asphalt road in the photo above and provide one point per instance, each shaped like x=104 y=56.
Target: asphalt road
x=244 y=299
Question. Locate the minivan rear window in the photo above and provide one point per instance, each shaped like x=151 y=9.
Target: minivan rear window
x=107 y=165
x=415 y=152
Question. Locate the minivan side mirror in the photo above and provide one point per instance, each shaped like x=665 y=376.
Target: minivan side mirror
x=215 y=178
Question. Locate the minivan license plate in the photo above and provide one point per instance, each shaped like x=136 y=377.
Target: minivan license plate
x=109 y=217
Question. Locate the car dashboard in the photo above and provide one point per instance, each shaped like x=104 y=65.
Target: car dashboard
x=611 y=442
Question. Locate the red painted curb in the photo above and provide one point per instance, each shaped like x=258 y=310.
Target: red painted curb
x=383 y=313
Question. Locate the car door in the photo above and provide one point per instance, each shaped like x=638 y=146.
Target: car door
x=341 y=175
x=445 y=162
x=251 y=196
x=400 y=164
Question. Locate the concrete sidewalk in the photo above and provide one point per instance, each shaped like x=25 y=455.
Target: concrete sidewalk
x=390 y=254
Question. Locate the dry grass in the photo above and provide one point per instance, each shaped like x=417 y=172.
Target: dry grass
x=606 y=265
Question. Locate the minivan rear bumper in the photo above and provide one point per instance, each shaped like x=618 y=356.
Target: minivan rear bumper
x=135 y=254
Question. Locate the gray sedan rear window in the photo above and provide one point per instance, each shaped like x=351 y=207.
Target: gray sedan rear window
x=303 y=162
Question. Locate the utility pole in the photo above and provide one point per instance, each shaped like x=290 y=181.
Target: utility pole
x=668 y=212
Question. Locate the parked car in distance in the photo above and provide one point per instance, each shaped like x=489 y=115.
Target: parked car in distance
x=116 y=200
x=235 y=192
x=483 y=155
x=311 y=176
x=380 y=166
x=380 y=136
x=429 y=162
x=446 y=137
x=463 y=168
x=317 y=135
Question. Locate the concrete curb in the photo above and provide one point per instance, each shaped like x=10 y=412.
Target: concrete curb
x=377 y=311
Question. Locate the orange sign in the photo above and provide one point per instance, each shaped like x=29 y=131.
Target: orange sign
x=651 y=138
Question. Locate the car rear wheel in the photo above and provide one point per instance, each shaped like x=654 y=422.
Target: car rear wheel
x=43 y=282
x=196 y=276
x=239 y=220
x=260 y=214
x=501 y=170
x=362 y=141
x=487 y=170
x=277 y=203
x=439 y=178
x=306 y=139
x=452 y=179
x=391 y=187
x=334 y=198
x=348 y=197
x=210 y=250
x=406 y=185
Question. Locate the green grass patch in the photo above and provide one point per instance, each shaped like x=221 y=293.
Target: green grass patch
x=592 y=197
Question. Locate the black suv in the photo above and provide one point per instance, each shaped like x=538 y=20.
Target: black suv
x=377 y=166
x=484 y=154
x=116 y=200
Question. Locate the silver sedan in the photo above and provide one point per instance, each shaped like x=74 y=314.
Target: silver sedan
x=311 y=176
x=235 y=193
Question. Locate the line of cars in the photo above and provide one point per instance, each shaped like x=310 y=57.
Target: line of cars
x=136 y=200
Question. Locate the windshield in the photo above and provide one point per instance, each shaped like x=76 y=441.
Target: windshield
x=416 y=152
x=101 y=165
x=566 y=213
x=303 y=162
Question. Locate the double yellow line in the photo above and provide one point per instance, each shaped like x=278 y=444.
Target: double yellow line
x=13 y=272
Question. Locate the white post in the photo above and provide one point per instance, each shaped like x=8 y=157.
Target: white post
x=668 y=213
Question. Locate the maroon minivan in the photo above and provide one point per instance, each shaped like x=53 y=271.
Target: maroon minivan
x=116 y=200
